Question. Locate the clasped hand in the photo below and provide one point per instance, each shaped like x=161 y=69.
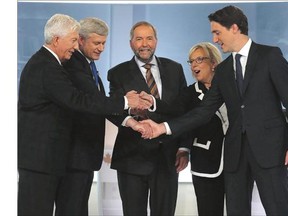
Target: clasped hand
x=140 y=101
x=139 y=104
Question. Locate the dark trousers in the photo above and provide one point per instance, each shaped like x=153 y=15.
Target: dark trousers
x=209 y=195
x=271 y=182
x=160 y=188
x=73 y=193
x=38 y=192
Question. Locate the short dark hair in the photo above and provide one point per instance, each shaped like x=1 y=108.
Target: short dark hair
x=230 y=15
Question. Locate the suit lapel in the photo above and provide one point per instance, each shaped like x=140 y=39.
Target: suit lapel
x=88 y=71
x=230 y=83
x=85 y=63
x=163 y=76
x=137 y=76
x=102 y=89
x=251 y=62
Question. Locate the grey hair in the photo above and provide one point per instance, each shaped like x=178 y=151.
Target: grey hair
x=142 y=23
x=91 y=25
x=210 y=50
x=59 y=25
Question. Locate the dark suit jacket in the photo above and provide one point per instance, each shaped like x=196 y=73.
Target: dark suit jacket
x=206 y=140
x=259 y=112
x=88 y=131
x=131 y=153
x=47 y=98
x=206 y=150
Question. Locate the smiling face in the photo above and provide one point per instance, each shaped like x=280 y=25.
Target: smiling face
x=65 y=46
x=93 y=46
x=203 y=71
x=223 y=36
x=143 y=43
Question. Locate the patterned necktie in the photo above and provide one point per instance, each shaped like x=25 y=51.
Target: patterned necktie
x=150 y=81
x=94 y=72
x=239 y=74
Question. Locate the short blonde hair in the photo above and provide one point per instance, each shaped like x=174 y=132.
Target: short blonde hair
x=210 y=50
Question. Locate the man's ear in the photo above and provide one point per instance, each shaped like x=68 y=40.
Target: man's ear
x=81 y=40
x=235 y=28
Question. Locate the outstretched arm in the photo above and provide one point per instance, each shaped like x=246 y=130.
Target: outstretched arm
x=143 y=128
x=157 y=129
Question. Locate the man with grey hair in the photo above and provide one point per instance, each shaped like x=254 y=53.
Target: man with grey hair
x=88 y=130
x=47 y=102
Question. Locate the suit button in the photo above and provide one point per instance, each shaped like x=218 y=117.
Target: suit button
x=242 y=106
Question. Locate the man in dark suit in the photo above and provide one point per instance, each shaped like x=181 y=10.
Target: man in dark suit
x=256 y=142
x=47 y=99
x=88 y=131
x=147 y=168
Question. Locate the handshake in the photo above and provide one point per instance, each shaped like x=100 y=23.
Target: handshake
x=142 y=101
x=139 y=103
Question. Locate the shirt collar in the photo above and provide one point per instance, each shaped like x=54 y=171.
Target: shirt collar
x=54 y=54
x=245 y=49
x=141 y=64
x=88 y=60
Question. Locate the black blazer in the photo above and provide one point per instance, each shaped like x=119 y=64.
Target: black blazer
x=131 y=153
x=207 y=140
x=88 y=131
x=206 y=155
x=259 y=112
x=47 y=99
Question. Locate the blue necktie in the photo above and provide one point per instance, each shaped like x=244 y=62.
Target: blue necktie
x=94 y=71
x=239 y=74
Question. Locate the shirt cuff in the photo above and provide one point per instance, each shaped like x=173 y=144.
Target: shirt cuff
x=154 y=105
x=168 y=130
x=126 y=103
x=184 y=149
x=125 y=120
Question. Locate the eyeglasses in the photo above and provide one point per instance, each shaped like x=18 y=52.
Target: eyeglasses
x=198 y=60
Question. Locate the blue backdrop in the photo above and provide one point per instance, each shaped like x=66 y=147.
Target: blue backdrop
x=179 y=26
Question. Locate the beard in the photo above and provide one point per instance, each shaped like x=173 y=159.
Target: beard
x=144 y=54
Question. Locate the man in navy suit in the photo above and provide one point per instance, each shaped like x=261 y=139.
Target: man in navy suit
x=47 y=100
x=256 y=142
x=147 y=169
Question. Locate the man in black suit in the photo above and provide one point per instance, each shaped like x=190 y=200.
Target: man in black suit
x=47 y=99
x=147 y=168
x=256 y=142
x=88 y=131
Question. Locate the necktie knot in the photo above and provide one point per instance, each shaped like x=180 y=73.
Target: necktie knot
x=237 y=57
x=147 y=66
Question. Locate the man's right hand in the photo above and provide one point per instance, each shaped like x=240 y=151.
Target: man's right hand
x=157 y=129
x=135 y=101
